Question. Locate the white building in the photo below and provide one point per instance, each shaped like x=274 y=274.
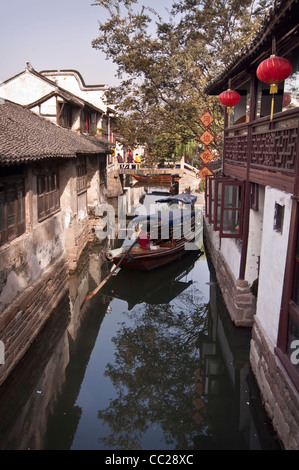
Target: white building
x=63 y=98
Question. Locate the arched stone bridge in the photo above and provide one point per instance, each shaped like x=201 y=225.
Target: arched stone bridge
x=186 y=172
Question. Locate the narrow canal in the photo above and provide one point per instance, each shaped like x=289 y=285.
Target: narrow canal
x=152 y=362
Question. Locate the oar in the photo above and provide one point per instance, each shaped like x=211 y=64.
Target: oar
x=89 y=296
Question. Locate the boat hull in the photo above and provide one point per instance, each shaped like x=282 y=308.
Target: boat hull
x=164 y=236
x=149 y=259
x=159 y=178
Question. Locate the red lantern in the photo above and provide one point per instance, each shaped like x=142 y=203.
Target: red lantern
x=273 y=71
x=229 y=98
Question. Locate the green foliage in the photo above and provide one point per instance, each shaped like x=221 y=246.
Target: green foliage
x=163 y=66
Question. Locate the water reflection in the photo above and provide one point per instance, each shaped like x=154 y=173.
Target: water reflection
x=166 y=369
x=152 y=287
x=156 y=357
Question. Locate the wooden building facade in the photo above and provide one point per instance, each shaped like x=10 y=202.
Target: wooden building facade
x=252 y=214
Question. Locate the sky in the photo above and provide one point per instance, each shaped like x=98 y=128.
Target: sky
x=56 y=34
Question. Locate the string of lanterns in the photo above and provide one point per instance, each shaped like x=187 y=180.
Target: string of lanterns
x=272 y=71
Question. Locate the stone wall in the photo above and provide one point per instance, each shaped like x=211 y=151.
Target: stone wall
x=239 y=300
x=280 y=398
x=76 y=238
x=21 y=322
x=114 y=184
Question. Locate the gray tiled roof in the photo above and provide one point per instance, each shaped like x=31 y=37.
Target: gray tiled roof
x=25 y=136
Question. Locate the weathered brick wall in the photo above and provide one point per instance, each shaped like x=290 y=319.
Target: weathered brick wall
x=21 y=322
x=280 y=398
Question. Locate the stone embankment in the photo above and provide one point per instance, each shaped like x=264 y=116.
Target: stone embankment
x=24 y=318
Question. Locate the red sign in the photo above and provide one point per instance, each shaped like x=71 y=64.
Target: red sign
x=206 y=119
x=206 y=138
x=206 y=156
x=205 y=172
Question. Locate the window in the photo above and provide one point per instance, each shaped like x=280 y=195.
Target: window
x=12 y=208
x=105 y=127
x=207 y=195
x=254 y=196
x=264 y=99
x=81 y=175
x=278 y=217
x=47 y=193
x=65 y=115
x=217 y=202
x=241 y=110
x=291 y=84
x=85 y=121
x=226 y=201
x=93 y=123
x=211 y=198
x=232 y=202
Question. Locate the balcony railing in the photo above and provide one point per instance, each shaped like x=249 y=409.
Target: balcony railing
x=267 y=147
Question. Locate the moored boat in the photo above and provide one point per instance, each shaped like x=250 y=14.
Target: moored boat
x=154 y=288
x=163 y=178
x=157 y=239
x=156 y=178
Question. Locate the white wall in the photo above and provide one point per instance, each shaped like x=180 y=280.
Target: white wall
x=231 y=250
x=255 y=238
x=71 y=82
x=272 y=266
x=25 y=89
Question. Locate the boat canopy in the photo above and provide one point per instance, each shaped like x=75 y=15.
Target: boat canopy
x=171 y=217
x=183 y=197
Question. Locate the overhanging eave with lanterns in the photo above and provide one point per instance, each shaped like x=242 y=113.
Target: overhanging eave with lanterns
x=277 y=24
x=261 y=124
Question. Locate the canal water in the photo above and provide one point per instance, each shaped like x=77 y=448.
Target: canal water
x=151 y=362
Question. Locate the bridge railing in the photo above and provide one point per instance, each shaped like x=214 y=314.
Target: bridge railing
x=118 y=166
x=179 y=165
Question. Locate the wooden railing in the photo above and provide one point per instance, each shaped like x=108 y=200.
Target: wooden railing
x=265 y=148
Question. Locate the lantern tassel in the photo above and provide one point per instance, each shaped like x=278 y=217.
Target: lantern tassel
x=272 y=108
x=229 y=110
x=273 y=91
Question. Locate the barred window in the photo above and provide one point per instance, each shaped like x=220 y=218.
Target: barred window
x=48 y=194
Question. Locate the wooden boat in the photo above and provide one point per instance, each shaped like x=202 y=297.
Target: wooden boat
x=156 y=178
x=163 y=237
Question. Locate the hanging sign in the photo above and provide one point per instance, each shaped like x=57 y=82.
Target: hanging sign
x=206 y=138
x=206 y=119
x=206 y=156
x=204 y=172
